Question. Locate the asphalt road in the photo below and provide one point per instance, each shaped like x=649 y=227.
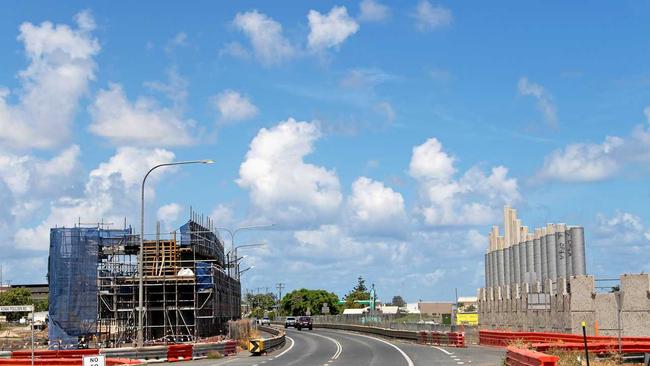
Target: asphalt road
x=326 y=347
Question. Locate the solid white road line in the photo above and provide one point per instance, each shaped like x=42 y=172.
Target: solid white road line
x=339 y=348
x=409 y=362
x=288 y=349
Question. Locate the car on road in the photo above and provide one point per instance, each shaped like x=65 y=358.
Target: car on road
x=265 y=321
x=304 y=322
x=290 y=321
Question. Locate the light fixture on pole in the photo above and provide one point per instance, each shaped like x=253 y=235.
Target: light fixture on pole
x=247 y=269
x=140 y=337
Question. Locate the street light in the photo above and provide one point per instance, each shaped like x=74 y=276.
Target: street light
x=140 y=255
x=249 y=268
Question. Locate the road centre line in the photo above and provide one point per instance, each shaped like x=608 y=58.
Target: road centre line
x=409 y=362
x=339 y=348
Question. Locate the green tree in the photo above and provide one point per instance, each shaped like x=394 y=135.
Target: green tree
x=15 y=296
x=398 y=301
x=298 y=302
x=260 y=303
x=359 y=292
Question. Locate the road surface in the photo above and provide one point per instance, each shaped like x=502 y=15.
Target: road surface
x=327 y=347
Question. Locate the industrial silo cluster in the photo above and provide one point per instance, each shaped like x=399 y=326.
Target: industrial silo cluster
x=522 y=256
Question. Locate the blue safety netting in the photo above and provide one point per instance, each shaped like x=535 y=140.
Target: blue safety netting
x=72 y=276
x=204 y=278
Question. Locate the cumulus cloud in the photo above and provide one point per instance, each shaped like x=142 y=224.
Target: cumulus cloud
x=265 y=35
x=169 y=214
x=583 y=162
x=473 y=199
x=624 y=231
x=282 y=186
x=110 y=194
x=330 y=30
x=61 y=65
x=373 y=11
x=429 y=17
x=29 y=182
x=233 y=106
x=375 y=209
x=544 y=100
x=588 y=162
x=143 y=123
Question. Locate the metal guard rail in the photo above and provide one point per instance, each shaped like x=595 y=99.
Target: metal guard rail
x=452 y=339
x=258 y=346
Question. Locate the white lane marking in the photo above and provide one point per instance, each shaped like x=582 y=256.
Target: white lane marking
x=460 y=363
x=288 y=349
x=409 y=362
x=442 y=350
x=339 y=348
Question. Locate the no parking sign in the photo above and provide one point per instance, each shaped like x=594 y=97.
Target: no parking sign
x=96 y=360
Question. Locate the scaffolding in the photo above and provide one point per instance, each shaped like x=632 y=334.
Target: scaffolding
x=187 y=292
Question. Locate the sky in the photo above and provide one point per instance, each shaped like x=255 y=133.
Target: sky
x=381 y=139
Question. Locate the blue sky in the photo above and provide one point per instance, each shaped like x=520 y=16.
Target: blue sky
x=381 y=138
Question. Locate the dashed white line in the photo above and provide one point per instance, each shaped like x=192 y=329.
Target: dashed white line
x=442 y=350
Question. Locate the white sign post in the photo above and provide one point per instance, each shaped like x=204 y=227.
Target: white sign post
x=96 y=360
x=20 y=309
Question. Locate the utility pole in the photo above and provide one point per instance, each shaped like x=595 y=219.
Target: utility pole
x=279 y=286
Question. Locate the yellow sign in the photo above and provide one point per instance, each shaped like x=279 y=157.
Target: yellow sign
x=256 y=345
x=466 y=318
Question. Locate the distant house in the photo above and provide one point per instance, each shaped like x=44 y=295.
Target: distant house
x=439 y=311
x=355 y=311
x=390 y=310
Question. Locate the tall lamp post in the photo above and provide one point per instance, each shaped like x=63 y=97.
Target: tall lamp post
x=233 y=253
x=140 y=339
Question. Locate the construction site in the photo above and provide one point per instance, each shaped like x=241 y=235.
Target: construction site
x=190 y=288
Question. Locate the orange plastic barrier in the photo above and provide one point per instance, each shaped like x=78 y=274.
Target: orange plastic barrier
x=501 y=338
x=525 y=357
x=179 y=352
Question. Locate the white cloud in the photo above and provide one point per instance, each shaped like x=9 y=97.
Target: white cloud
x=168 y=214
x=282 y=186
x=111 y=194
x=474 y=199
x=544 y=100
x=235 y=49
x=233 y=106
x=386 y=109
x=223 y=216
x=373 y=11
x=265 y=35
x=622 y=229
x=142 y=123
x=429 y=17
x=29 y=182
x=61 y=66
x=331 y=30
x=430 y=162
x=175 y=89
x=583 y=162
x=375 y=209
x=179 y=40
x=365 y=78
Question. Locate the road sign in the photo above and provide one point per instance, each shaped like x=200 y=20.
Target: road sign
x=325 y=309
x=255 y=345
x=96 y=360
x=16 y=308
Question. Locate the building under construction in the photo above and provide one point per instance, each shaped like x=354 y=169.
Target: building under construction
x=189 y=292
